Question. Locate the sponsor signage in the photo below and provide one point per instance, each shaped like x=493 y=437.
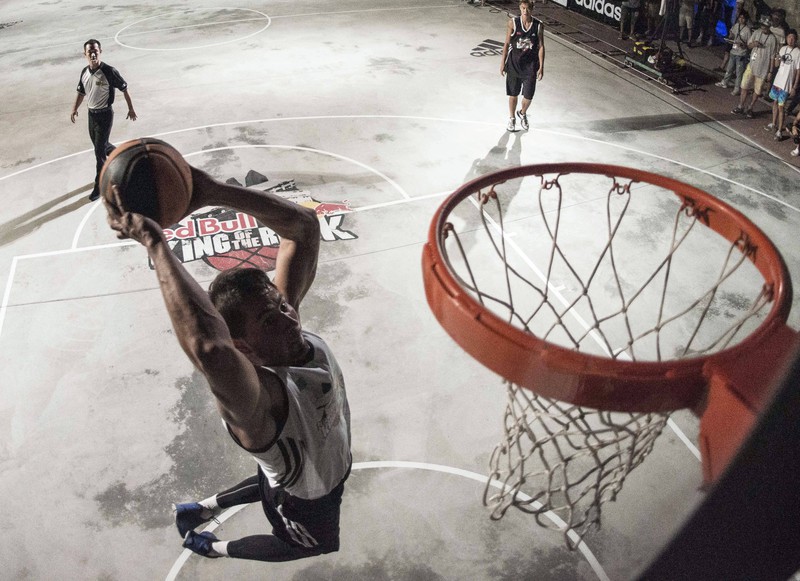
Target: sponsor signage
x=608 y=11
x=489 y=47
x=224 y=239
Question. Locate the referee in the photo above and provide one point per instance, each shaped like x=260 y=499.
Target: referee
x=97 y=83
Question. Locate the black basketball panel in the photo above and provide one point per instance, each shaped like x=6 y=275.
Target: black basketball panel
x=139 y=190
x=173 y=192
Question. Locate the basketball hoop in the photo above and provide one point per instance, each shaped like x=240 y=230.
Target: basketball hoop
x=613 y=296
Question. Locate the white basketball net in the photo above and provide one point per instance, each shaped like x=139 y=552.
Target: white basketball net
x=635 y=277
x=561 y=462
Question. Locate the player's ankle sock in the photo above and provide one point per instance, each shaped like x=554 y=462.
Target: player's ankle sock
x=210 y=505
x=221 y=548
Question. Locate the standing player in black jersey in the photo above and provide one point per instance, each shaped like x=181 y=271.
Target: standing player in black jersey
x=97 y=83
x=278 y=388
x=523 y=62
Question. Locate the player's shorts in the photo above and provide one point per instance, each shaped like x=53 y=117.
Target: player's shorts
x=778 y=95
x=312 y=525
x=515 y=84
x=752 y=82
x=686 y=17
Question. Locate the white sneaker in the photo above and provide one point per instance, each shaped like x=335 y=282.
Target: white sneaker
x=722 y=84
x=795 y=152
x=769 y=127
x=523 y=120
x=512 y=124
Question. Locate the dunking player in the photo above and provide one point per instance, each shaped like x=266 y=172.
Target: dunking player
x=523 y=62
x=97 y=82
x=278 y=388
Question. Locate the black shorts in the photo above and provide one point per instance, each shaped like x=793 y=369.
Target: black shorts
x=515 y=84
x=308 y=524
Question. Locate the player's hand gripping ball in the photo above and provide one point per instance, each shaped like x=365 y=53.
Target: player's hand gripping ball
x=152 y=177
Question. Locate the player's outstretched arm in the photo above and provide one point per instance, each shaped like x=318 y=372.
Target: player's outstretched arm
x=297 y=226
x=200 y=329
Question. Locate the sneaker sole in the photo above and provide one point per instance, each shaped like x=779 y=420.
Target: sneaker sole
x=188 y=523
x=212 y=538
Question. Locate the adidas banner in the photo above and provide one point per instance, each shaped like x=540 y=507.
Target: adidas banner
x=607 y=11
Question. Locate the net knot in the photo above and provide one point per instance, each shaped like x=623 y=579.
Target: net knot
x=620 y=189
x=745 y=245
x=484 y=199
x=692 y=209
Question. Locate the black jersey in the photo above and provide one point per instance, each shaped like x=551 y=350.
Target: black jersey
x=523 y=49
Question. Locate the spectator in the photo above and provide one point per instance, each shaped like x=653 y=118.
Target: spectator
x=651 y=13
x=708 y=12
x=630 y=12
x=728 y=12
x=792 y=104
x=738 y=38
x=785 y=83
x=795 y=131
x=737 y=9
x=758 y=8
x=779 y=26
x=763 y=46
x=686 y=20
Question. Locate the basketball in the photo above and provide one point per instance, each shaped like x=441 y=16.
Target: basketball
x=152 y=177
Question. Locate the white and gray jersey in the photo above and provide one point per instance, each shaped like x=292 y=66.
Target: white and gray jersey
x=98 y=85
x=311 y=454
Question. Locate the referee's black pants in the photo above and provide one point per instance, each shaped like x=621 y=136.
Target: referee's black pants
x=100 y=122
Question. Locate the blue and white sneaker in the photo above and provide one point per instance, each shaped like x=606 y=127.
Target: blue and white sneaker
x=200 y=543
x=189 y=516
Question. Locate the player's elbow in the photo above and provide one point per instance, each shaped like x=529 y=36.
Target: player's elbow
x=308 y=224
x=210 y=356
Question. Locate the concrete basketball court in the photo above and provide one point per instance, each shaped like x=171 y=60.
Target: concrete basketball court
x=379 y=109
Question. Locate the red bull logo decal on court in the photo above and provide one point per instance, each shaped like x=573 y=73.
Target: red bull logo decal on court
x=225 y=239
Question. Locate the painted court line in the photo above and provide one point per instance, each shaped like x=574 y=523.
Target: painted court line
x=198 y=25
x=578 y=48
x=194 y=47
x=380 y=174
x=80 y=39
x=15 y=260
x=74 y=248
x=363 y=11
x=370 y=169
x=555 y=519
x=406 y=197
x=581 y=321
x=558 y=134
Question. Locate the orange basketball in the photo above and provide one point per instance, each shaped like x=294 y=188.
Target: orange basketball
x=152 y=177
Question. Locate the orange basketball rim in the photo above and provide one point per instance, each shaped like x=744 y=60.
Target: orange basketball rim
x=727 y=387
